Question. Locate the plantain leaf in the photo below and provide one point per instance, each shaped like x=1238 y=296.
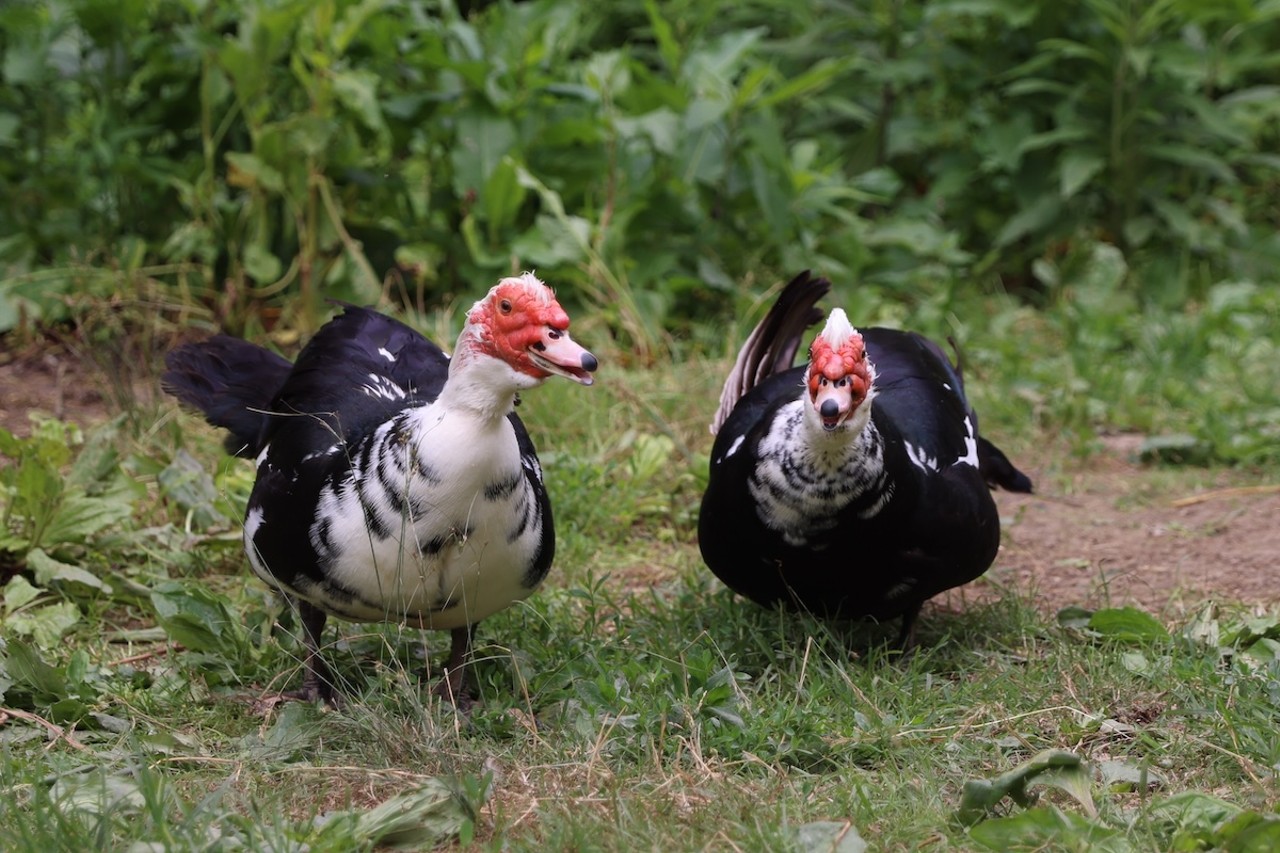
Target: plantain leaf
x=44 y=625
x=1048 y=828
x=1127 y=624
x=198 y=619
x=51 y=572
x=187 y=483
x=1054 y=768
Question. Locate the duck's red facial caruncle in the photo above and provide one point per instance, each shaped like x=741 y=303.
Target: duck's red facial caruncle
x=521 y=323
x=840 y=376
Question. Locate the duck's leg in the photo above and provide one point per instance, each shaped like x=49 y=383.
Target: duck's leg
x=317 y=684
x=907 y=636
x=452 y=687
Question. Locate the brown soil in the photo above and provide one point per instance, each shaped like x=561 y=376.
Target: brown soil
x=1120 y=533
x=1109 y=532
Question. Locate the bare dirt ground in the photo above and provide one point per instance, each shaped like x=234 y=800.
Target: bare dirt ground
x=1104 y=533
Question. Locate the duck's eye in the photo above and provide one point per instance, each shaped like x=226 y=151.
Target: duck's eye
x=822 y=381
x=843 y=381
x=554 y=334
x=505 y=306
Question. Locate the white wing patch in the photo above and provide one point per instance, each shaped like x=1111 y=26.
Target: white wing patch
x=385 y=353
x=733 y=448
x=920 y=458
x=382 y=387
x=253 y=523
x=970 y=445
x=329 y=451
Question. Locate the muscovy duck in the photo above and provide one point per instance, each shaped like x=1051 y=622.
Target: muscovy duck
x=853 y=486
x=394 y=483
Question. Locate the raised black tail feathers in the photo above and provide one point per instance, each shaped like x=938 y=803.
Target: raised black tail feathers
x=231 y=382
x=772 y=345
x=999 y=471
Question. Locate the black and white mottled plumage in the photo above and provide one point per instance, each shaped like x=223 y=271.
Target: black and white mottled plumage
x=855 y=485
x=394 y=483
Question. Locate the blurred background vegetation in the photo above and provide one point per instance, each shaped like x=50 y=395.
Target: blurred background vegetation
x=1084 y=196
x=1106 y=170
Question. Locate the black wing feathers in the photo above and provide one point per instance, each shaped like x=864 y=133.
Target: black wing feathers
x=231 y=382
x=772 y=345
x=360 y=370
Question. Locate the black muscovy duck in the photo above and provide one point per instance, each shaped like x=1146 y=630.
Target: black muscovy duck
x=856 y=485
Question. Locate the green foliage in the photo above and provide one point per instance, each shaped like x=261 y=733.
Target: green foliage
x=54 y=501
x=655 y=155
x=1053 y=768
x=135 y=805
x=629 y=688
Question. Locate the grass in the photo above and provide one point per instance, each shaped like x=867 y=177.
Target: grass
x=634 y=703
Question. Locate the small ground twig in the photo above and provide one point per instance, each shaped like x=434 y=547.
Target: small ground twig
x=154 y=653
x=58 y=732
x=1239 y=491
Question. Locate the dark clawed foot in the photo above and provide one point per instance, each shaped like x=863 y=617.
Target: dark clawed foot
x=312 y=692
x=323 y=693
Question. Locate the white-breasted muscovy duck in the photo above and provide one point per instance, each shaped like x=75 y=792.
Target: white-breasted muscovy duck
x=394 y=483
x=855 y=485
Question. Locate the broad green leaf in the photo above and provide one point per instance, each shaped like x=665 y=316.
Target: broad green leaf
x=1205 y=628
x=357 y=90
x=1194 y=158
x=99 y=793
x=1127 y=776
x=1050 y=139
x=1066 y=48
x=1035 y=217
x=44 y=625
x=553 y=241
x=186 y=481
x=668 y=46
x=1055 y=768
x=261 y=265
x=197 y=618
x=1047 y=828
x=291 y=736
x=18 y=592
x=1127 y=624
x=97 y=460
x=352 y=21
x=808 y=83
x=721 y=59
x=1191 y=819
x=1250 y=832
x=483 y=139
x=661 y=127
x=502 y=197
x=1137 y=663
x=80 y=516
x=1252 y=629
x=1075 y=169
x=51 y=572
x=24 y=665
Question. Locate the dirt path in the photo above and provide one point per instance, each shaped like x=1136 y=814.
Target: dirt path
x=1125 y=534
x=1107 y=533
